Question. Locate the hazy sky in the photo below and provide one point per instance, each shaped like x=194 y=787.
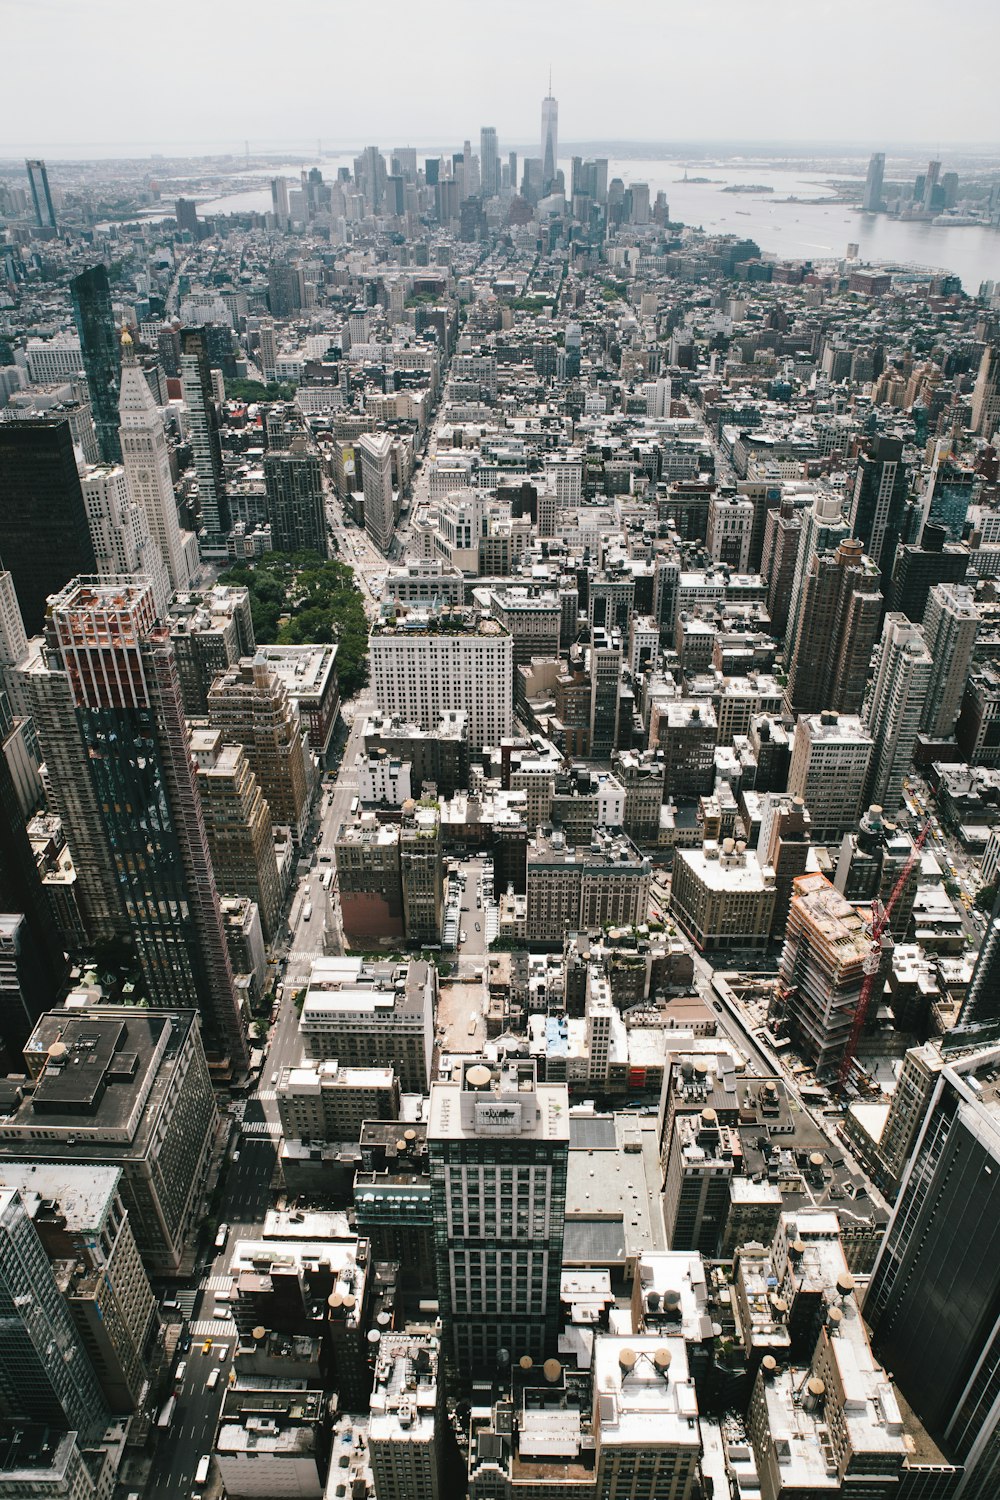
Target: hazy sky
x=206 y=74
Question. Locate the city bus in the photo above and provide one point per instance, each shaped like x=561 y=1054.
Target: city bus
x=167 y=1413
x=201 y=1472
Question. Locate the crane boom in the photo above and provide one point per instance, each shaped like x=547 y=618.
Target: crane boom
x=873 y=960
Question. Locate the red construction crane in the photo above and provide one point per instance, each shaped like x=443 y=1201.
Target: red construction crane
x=873 y=960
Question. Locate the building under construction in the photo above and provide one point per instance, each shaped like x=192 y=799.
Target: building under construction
x=822 y=969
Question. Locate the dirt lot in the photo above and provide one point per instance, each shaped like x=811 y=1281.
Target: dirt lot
x=457 y=1002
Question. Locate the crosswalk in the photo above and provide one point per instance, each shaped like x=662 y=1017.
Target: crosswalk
x=217 y=1284
x=185 y=1302
x=212 y=1328
x=266 y=1096
x=270 y=1128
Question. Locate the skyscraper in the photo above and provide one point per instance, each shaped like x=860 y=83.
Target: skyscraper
x=279 y=200
x=872 y=199
x=878 y=501
x=45 y=1372
x=43 y=519
x=91 y=294
x=238 y=824
x=986 y=396
x=38 y=179
x=823 y=530
x=293 y=480
x=146 y=461
x=375 y=449
x=935 y=1288
x=982 y=999
x=489 y=162
x=498 y=1142
x=252 y=708
x=836 y=630
x=951 y=622
x=550 y=139
x=931 y=179
x=199 y=398
x=894 y=708
x=29 y=952
x=83 y=1224
x=120 y=532
x=129 y=719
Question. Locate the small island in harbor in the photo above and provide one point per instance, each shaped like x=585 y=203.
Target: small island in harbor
x=748 y=187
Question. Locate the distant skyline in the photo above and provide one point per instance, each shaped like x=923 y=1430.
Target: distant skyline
x=112 y=77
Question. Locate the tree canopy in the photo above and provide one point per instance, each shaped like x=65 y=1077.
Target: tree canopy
x=299 y=599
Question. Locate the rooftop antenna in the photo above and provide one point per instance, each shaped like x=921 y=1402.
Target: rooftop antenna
x=550 y=80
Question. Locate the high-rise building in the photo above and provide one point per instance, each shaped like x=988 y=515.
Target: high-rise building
x=605 y=884
x=550 y=140
x=13 y=637
x=978 y=727
x=931 y=180
x=375 y=449
x=186 y=214
x=499 y=1151
x=894 y=708
x=937 y=1272
x=605 y=657
x=782 y=535
x=238 y=825
x=129 y=1088
x=406 y=1426
x=878 y=500
x=986 y=395
x=982 y=999
x=119 y=531
x=41 y=197
x=26 y=980
x=871 y=202
x=91 y=294
x=279 y=200
x=43 y=518
x=75 y=797
x=81 y=1219
x=129 y=719
x=199 y=398
x=701 y=1157
x=210 y=632
x=823 y=530
x=268 y=349
x=836 y=629
x=822 y=969
x=146 y=461
x=723 y=896
x=372 y=1014
x=252 y=708
x=919 y=566
x=421 y=871
x=489 y=162
x=294 y=483
x=951 y=623
x=433 y=663
x=831 y=754
x=45 y=1372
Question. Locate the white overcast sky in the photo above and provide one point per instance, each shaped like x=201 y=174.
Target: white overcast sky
x=197 y=75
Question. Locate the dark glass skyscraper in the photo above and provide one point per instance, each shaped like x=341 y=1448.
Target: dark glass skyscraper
x=878 y=504
x=91 y=293
x=44 y=536
x=130 y=721
x=294 y=484
x=934 y=1299
x=38 y=177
